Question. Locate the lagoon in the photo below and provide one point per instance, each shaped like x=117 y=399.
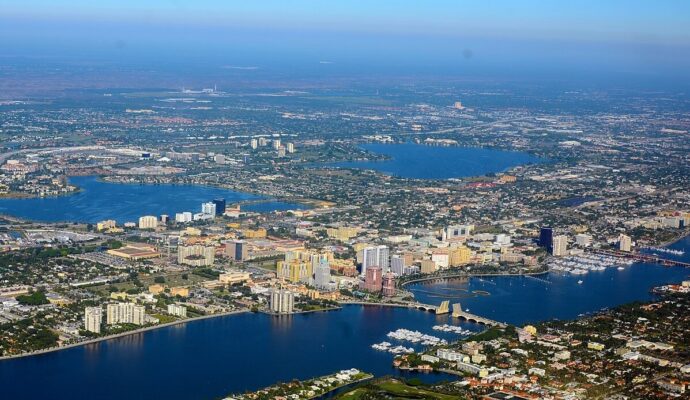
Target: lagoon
x=409 y=160
x=99 y=200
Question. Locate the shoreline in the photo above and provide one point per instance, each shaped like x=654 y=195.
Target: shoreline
x=458 y=276
x=122 y=334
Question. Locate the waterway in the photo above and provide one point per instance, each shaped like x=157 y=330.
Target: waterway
x=210 y=358
x=99 y=200
x=410 y=160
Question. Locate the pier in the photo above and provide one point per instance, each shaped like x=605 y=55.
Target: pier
x=649 y=258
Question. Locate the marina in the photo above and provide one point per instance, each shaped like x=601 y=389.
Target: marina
x=585 y=263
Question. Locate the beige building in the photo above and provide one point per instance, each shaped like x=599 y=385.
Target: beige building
x=148 y=222
x=93 y=319
x=196 y=255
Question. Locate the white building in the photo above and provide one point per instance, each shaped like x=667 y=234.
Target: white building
x=282 y=301
x=148 y=222
x=125 y=313
x=290 y=147
x=208 y=208
x=276 y=144
x=93 y=319
x=196 y=255
x=560 y=246
x=624 y=242
x=183 y=217
x=377 y=256
x=456 y=232
x=177 y=310
x=254 y=144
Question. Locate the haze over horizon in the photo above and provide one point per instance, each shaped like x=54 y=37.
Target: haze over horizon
x=590 y=40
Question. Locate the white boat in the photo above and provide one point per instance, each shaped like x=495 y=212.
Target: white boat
x=579 y=282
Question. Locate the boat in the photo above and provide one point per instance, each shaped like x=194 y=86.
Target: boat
x=579 y=282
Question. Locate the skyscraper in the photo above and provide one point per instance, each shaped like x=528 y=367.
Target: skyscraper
x=559 y=246
x=322 y=276
x=624 y=242
x=398 y=265
x=389 y=284
x=282 y=301
x=375 y=256
x=237 y=250
x=546 y=238
x=220 y=206
x=93 y=318
x=208 y=208
x=373 y=280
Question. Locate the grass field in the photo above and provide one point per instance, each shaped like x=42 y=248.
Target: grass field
x=393 y=389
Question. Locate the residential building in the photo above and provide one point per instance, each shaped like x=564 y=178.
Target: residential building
x=624 y=242
x=93 y=319
x=282 y=301
x=196 y=255
x=125 y=313
x=560 y=246
x=148 y=222
x=375 y=256
x=373 y=280
x=177 y=310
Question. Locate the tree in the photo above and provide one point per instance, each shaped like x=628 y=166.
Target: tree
x=159 y=279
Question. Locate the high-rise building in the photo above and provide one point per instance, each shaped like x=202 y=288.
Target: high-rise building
x=148 y=222
x=105 y=225
x=375 y=256
x=398 y=265
x=177 y=310
x=322 y=276
x=428 y=266
x=208 y=208
x=560 y=246
x=93 y=319
x=373 y=281
x=220 y=206
x=263 y=141
x=282 y=301
x=254 y=144
x=546 y=238
x=290 y=147
x=125 y=313
x=276 y=144
x=389 y=284
x=295 y=270
x=164 y=219
x=184 y=217
x=281 y=151
x=460 y=255
x=624 y=242
x=237 y=250
x=196 y=255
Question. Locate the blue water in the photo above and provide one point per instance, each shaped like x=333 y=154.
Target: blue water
x=519 y=299
x=411 y=160
x=210 y=358
x=99 y=200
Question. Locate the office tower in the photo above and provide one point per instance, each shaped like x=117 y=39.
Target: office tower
x=398 y=265
x=125 y=313
x=276 y=144
x=290 y=147
x=583 y=240
x=282 y=301
x=389 y=284
x=177 y=310
x=196 y=255
x=208 y=208
x=375 y=256
x=93 y=318
x=624 y=242
x=373 y=280
x=454 y=232
x=254 y=144
x=560 y=246
x=546 y=238
x=237 y=250
x=322 y=276
x=183 y=217
x=148 y=222
x=220 y=206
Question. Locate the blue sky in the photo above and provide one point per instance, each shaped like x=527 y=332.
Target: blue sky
x=644 y=36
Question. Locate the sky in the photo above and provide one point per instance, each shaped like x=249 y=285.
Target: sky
x=584 y=36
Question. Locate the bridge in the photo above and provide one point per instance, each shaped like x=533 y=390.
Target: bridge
x=457 y=313
x=649 y=258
